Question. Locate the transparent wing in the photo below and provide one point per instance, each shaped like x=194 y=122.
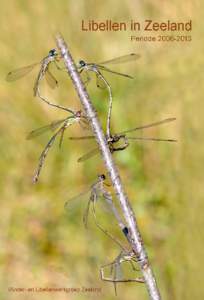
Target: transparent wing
x=88 y=155
x=168 y=120
x=72 y=202
x=85 y=77
x=113 y=72
x=43 y=157
x=100 y=82
x=18 y=73
x=121 y=59
x=111 y=207
x=52 y=126
x=62 y=136
x=51 y=79
x=118 y=274
x=77 y=138
x=132 y=264
x=36 y=85
x=105 y=206
x=151 y=139
x=86 y=214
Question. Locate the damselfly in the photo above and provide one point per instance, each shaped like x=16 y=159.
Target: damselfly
x=59 y=126
x=52 y=56
x=98 y=190
x=116 y=271
x=101 y=82
x=115 y=138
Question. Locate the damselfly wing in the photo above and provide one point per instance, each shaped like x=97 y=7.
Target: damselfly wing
x=92 y=194
x=51 y=127
x=121 y=59
x=51 y=80
x=21 y=72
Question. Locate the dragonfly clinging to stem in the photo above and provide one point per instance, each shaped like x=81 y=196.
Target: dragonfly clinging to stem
x=101 y=82
x=52 y=57
x=115 y=138
x=59 y=126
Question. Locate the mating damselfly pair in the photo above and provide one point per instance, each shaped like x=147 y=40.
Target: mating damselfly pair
x=61 y=125
x=98 y=188
x=98 y=191
x=83 y=67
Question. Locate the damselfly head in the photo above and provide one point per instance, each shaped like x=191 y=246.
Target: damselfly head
x=53 y=53
x=82 y=63
x=78 y=113
x=102 y=177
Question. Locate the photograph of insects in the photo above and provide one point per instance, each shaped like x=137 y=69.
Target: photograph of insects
x=97 y=189
x=100 y=184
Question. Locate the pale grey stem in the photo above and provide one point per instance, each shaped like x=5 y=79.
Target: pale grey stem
x=134 y=236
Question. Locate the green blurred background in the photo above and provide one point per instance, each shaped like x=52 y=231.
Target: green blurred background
x=40 y=244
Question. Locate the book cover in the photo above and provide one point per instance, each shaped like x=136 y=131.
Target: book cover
x=65 y=228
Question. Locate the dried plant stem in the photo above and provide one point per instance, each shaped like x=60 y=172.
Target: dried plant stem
x=133 y=236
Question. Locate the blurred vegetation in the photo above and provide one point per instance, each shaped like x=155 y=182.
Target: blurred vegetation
x=40 y=245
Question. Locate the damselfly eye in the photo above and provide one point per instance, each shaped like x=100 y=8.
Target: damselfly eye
x=53 y=52
x=82 y=63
